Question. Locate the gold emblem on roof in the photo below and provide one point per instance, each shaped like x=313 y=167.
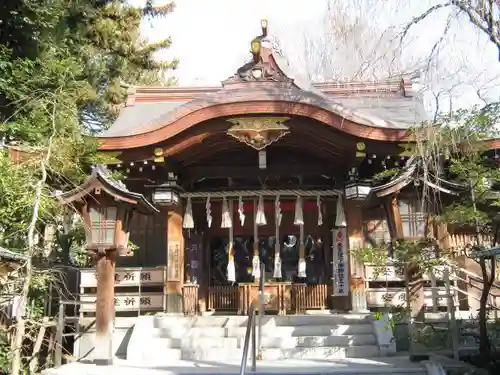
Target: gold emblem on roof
x=258 y=132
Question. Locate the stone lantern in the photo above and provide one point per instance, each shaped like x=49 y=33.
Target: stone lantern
x=106 y=207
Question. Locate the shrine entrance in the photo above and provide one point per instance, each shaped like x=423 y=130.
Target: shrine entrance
x=286 y=290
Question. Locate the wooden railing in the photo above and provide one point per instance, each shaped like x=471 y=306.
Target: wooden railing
x=190 y=299
x=280 y=298
x=223 y=297
x=459 y=241
x=309 y=297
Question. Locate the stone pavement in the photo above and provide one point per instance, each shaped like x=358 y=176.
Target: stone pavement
x=350 y=366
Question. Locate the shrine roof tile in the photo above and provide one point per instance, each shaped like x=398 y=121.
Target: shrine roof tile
x=389 y=112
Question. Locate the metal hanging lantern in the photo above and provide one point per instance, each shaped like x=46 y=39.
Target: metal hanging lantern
x=357 y=190
x=167 y=194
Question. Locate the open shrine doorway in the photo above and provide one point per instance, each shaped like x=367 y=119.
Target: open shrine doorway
x=295 y=294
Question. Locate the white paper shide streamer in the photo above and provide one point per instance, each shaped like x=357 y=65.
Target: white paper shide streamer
x=260 y=217
x=301 y=271
x=302 y=268
x=277 y=274
x=208 y=212
x=277 y=211
x=299 y=220
x=320 y=214
x=256 y=266
x=299 y=215
x=226 y=215
x=241 y=211
x=231 y=269
x=188 y=222
x=256 y=258
x=340 y=217
x=277 y=266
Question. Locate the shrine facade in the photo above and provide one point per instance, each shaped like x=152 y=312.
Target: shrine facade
x=265 y=176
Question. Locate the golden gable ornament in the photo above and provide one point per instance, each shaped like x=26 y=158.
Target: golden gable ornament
x=258 y=132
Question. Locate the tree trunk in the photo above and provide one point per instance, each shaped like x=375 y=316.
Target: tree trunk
x=20 y=330
x=484 y=341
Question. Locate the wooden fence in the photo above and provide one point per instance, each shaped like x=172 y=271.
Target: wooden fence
x=142 y=290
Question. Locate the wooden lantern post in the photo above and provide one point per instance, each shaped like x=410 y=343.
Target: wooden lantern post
x=106 y=207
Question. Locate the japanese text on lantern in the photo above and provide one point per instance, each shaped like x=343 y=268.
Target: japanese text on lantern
x=340 y=265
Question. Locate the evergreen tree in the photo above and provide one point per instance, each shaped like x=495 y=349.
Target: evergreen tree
x=62 y=65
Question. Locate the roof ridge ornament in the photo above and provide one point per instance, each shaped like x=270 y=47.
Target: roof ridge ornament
x=261 y=67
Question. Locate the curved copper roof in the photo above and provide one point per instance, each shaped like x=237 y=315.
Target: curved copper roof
x=371 y=110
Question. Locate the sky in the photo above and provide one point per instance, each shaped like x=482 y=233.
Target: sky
x=211 y=38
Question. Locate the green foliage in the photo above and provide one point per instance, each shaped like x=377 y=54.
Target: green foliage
x=62 y=64
x=406 y=255
x=62 y=68
x=5 y=358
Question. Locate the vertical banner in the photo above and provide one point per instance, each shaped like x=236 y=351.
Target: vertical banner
x=340 y=264
x=193 y=254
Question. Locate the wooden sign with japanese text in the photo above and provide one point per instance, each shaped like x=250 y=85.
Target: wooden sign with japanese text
x=128 y=302
x=126 y=277
x=340 y=263
x=174 y=261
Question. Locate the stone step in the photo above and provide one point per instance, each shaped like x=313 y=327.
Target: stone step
x=165 y=321
x=154 y=353
x=321 y=320
x=177 y=332
x=269 y=342
x=217 y=354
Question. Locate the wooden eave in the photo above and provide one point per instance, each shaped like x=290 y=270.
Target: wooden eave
x=100 y=178
x=409 y=175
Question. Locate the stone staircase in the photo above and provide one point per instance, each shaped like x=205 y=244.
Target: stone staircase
x=156 y=340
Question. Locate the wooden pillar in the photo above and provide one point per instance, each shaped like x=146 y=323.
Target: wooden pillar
x=175 y=261
x=354 y=220
x=415 y=289
x=204 y=277
x=105 y=307
x=394 y=218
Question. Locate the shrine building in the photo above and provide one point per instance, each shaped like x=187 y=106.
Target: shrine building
x=264 y=169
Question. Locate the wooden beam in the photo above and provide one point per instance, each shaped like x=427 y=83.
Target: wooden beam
x=196 y=173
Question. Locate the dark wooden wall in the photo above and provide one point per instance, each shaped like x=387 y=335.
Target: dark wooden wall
x=149 y=234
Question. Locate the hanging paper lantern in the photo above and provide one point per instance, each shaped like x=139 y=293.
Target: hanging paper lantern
x=188 y=222
x=299 y=215
x=320 y=214
x=241 y=211
x=260 y=216
x=226 y=215
x=340 y=217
